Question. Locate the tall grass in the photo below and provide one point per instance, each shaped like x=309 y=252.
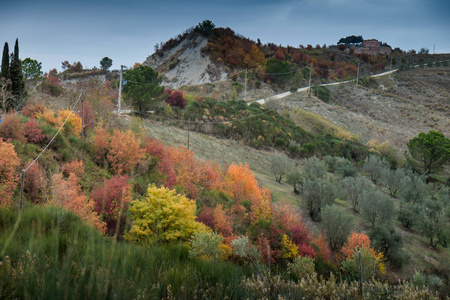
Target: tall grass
x=48 y=253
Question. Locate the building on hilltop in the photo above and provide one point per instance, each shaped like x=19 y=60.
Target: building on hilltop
x=372 y=47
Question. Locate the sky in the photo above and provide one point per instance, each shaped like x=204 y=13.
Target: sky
x=52 y=31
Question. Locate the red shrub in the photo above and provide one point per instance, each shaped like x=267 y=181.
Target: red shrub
x=34 y=182
x=89 y=115
x=175 y=98
x=33 y=132
x=31 y=110
x=110 y=198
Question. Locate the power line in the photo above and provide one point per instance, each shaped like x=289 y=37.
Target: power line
x=212 y=122
x=71 y=111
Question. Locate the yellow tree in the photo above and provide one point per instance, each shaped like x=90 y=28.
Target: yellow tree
x=163 y=215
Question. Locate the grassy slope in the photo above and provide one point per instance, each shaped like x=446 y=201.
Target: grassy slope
x=395 y=110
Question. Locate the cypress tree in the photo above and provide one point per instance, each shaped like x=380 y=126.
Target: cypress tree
x=18 y=83
x=5 y=62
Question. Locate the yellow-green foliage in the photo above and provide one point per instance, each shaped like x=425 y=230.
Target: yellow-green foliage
x=163 y=215
x=302 y=266
x=290 y=248
x=319 y=124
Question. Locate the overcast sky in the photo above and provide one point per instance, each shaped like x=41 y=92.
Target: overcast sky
x=52 y=31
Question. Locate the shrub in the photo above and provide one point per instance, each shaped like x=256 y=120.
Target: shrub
x=33 y=132
x=302 y=267
x=124 y=151
x=12 y=127
x=163 y=215
x=8 y=176
x=175 y=98
x=111 y=203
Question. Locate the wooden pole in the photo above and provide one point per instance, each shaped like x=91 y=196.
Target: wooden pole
x=22 y=181
x=360 y=275
x=268 y=257
x=82 y=117
x=189 y=129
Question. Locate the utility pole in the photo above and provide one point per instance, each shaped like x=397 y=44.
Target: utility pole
x=22 y=181
x=390 y=67
x=360 y=275
x=434 y=48
x=357 y=76
x=120 y=90
x=249 y=128
x=310 y=73
x=82 y=117
x=245 y=85
x=189 y=130
x=268 y=256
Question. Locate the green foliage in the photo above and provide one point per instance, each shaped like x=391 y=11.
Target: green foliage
x=351 y=40
x=17 y=81
x=318 y=193
x=341 y=166
x=376 y=207
x=413 y=193
x=50 y=254
x=278 y=70
x=106 y=63
x=248 y=252
x=279 y=166
x=350 y=266
x=206 y=245
x=429 y=152
x=5 y=63
x=374 y=166
x=384 y=238
x=322 y=92
x=368 y=82
x=205 y=28
x=142 y=88
x=32 y=69
x=314 y=168
x=353 y=188
x=302 y=267
x=338 y=224
x=391 y=179
x=433 y=224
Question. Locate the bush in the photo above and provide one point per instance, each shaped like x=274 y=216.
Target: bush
x=11 y=127
x=322 y=92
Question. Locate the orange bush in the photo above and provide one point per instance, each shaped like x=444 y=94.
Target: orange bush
x=8 y=178
x=124 y=151
x=67 y=194
x=12 y=127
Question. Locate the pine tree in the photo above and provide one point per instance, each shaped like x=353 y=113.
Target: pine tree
x=5 y=62
x=18 y=83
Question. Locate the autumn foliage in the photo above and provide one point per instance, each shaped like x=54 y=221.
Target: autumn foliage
x=8 y=176
x=175 y=98
x=66 y=193
x=111 y=201
x=124 y=151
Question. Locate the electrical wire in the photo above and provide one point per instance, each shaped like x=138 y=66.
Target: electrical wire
x=212 y=122
x=71 y=111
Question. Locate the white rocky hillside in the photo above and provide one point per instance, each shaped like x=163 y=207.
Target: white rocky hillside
x=186 y=64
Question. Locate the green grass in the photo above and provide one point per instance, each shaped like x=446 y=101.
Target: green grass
x=48 y=253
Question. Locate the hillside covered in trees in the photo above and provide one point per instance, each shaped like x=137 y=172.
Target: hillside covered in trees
x=92 y=204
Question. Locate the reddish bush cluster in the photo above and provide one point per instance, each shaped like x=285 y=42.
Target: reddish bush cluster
x=175 y=98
